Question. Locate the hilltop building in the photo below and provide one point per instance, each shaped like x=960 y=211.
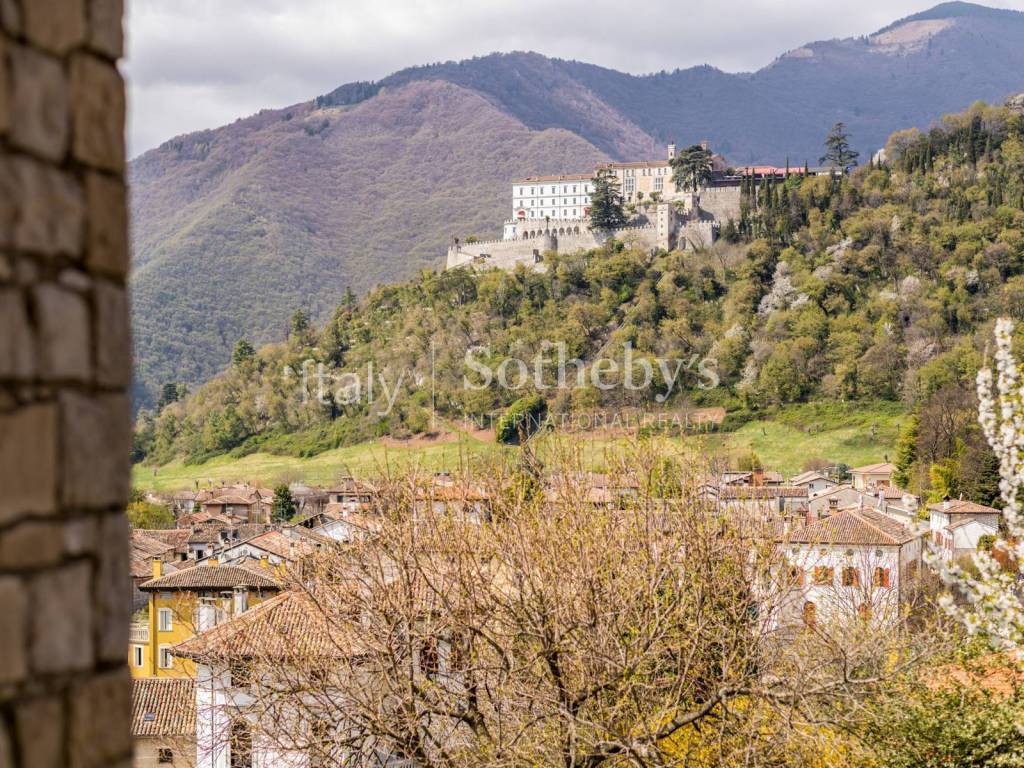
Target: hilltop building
x=551 y=213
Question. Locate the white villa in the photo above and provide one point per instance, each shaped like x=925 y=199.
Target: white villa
x=856 y=562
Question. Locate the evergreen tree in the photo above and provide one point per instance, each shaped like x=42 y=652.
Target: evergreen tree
x=906 y=452
x=168 y=394
x=837 y=149
x=244 y=351
x=299 y=323
x=283 y=508
x=691 y=168
x=606 y=202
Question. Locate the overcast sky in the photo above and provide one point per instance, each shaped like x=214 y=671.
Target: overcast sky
x=196 y=64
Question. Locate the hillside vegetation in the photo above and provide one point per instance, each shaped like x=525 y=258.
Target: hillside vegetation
x=234 y=228
x=880 y=286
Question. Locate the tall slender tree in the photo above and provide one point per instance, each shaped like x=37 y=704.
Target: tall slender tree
x=606 y=211
x=837 y=149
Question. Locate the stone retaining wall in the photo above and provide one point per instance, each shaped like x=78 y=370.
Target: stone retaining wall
x=65 y=369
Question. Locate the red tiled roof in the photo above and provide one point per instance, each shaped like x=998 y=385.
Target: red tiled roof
x=214 y=577
x=962 y=507
x=163 y=707
x=761 y=492
x=853 y=526
x=881 y=468
x=289 y=626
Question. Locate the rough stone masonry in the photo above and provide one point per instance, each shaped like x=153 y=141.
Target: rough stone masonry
x=65 y=368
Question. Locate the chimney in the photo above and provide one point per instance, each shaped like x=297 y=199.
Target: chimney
x=241 y=600
x=212 y=561
x=158 y=567
x=757 y=477
x=810 y=516
x=671 y=150
x=703 y=143
x=945 y=503
x=264 y=561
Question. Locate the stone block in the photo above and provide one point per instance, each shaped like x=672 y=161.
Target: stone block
x=113 y=335
x=96 y=442
x=39 y=99
x=80 y=537
x=17 y=347
x=48 y=208
x=106 y=34
x=13 y=631
x=113 y=589
x=63 y=341
x=28 y=461
x=5 y=96
x=97 y=113
x=31 y=544
x=55 y=25
x=40 y=729
x=107 y=240
x=62 y=619
x=10 y=17
x=96 y=706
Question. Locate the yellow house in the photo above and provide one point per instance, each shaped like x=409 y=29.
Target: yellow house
x=191 y=600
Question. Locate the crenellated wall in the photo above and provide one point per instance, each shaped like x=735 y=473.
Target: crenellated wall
x=65 y=368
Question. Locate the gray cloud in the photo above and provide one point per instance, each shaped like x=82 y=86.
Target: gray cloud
x=196 y=64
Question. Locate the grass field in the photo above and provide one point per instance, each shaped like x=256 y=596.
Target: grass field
x=785 y=440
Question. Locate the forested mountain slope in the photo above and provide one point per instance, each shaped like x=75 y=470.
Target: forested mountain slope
x=882 y=285
x=236 y=227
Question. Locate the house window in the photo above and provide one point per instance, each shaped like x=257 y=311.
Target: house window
x=823 y=575
x=137 y=650
x=430 y=660
x=166 y=660
x=659 y=184
x=166 y=620
x=851 y=577
x=241 y=743
x=165 y=756
x=880 y=577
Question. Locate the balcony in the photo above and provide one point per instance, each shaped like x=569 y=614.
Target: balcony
x=139 y=633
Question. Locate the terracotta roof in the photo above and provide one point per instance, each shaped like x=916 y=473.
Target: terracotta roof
x=229 y=499
x=961 y=507
x=853 y=526
x=144 y=544
x=173 y=537
x=637 y=164
x=806 y=477
x=875 y=469
x=213 y=577
x=276 y=543
x=892 y=492
x=163 y=707
x=761 y=492
x=285 y=627
x=965 y=521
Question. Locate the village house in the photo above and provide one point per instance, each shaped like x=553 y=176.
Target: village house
x=813 y=481
x=233 y=727
x=856 y=562
x=188 y=600
x=164 y=723
x=759 y=502
x=956 y=526
x=872 y=476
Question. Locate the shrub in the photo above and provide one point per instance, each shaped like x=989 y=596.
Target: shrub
x=522 y=419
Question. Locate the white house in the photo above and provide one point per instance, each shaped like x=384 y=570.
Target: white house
x=872 y=476
x=856 y=562
x=944 y=514
x=814 y=482
x=960 y=539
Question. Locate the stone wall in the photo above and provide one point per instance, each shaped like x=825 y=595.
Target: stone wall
x=721 y=201
x=65 y=367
